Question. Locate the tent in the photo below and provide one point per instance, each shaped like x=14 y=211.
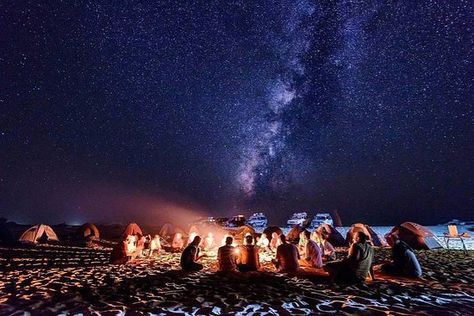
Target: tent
x=242 y=231
x=374 y=238
x=167 y=231
x=132 y=229
x=39 y=232
x=272 y=229
x=333 y=236
x=89 y=231
x=415 y=235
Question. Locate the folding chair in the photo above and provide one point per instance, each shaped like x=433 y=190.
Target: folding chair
x=453 y=234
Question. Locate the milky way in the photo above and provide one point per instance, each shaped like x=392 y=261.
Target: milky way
x=268 y=146
x=279 y=106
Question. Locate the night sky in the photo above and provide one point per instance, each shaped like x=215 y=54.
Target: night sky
x=113 y=112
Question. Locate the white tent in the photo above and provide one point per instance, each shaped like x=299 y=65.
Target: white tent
x=34 y=233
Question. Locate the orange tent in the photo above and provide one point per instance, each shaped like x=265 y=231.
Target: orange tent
x=89 y=231
x=333 y=236
x=272 y=229
x=132 y=229
x=242 y=231
x=359 y=227
x=415 y=235
x=37 y=232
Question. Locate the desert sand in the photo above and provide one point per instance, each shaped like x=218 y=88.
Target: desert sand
x=156 y=285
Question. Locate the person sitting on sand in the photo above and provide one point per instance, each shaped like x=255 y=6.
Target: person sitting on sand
x=190 y=255
x=404 y=260
x=249 y=259
x=178 y=242
x=140 y=246
x=209 y=241
x=313 y=253
x=303 y=240
x=329 y=253
x=155 y=245
x=119 y=253
x=263 y=242
x=226 y=256
x=356 y=267
x=276 y=241
x=287 y=256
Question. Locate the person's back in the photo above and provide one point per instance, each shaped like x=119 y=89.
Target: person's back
x=361 y=259
x=412 y=266
x=314 y=254
x=404 y=260
x=226 y=256
x=287 y=256
x=249 y=259
x=119 y=253
x=399 y=253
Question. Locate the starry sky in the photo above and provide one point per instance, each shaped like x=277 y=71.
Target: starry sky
x=133 y=111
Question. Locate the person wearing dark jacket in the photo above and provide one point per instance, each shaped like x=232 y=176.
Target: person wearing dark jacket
x=404 y=260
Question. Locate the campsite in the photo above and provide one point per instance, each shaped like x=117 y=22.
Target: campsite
x=44 y=277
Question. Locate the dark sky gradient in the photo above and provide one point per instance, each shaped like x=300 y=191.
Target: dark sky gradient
x=114 y=112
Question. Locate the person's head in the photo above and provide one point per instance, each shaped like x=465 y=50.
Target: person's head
x=307 y=234
x=196 y=241
x=283 y=238
x=229 y=240
x=361 y=237
x=274 y=235
x=248 y=239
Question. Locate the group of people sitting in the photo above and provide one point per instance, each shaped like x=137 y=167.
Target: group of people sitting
x=313 y=251
x=352 y=269
x=135 y=246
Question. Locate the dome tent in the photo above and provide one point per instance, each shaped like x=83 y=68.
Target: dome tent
x=39 y=232
x=272 y=229
x=89 y=231
x=333 y=236
x=415 y=235
x=132 y=229
x=242 y=231
x=359 y=227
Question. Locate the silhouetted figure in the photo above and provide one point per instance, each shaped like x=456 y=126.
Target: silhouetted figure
x=119 y=253
x=404 y=260
x=226 y=256
x=190 y=255
x=287 y=256
x=356 y=267
x=248 y=256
